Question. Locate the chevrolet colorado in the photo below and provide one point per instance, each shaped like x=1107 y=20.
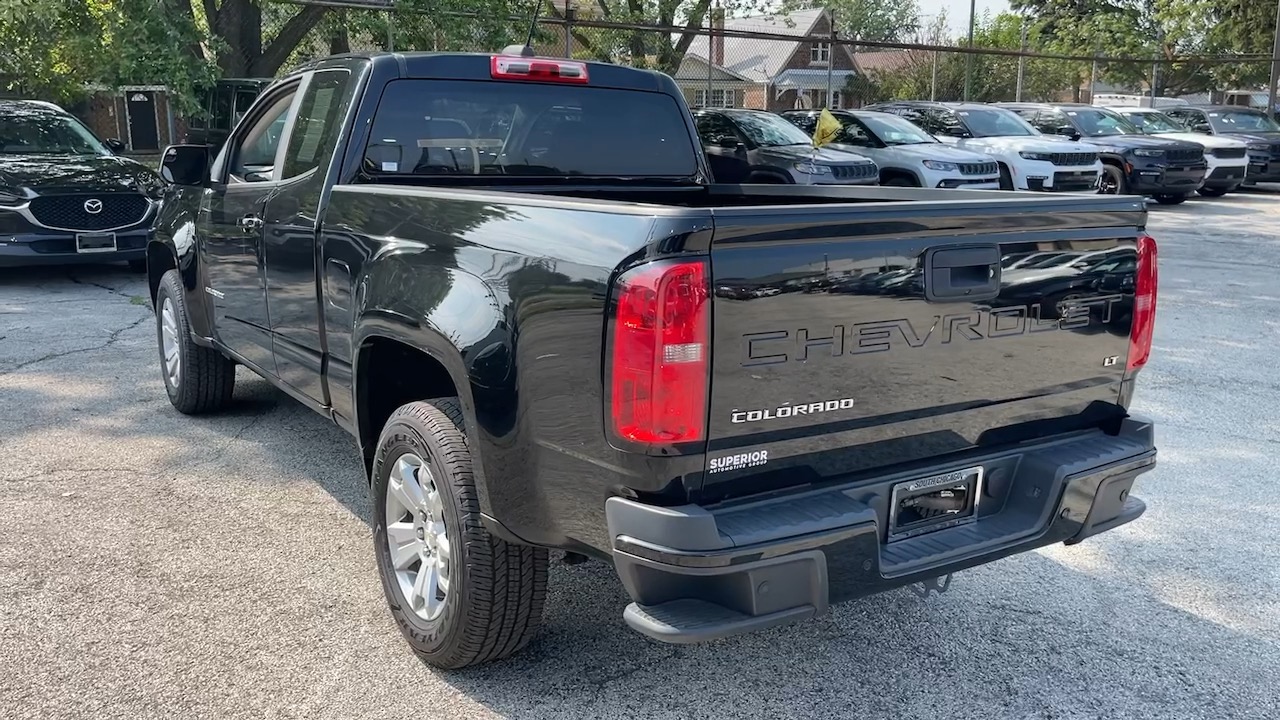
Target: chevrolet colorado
x=512 y=282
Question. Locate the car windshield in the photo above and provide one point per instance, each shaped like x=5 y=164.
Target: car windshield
x=1242 y=121
x=768 y=130
x=1096 y=122
x=893 y=130
x=1154 y=122
x=44 y=132
x=994 y=122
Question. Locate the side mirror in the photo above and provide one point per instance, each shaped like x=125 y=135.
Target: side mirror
x=114 y=145
x=729 y=143
x=1068 y=132
x=1202 y=128
x=185 y=165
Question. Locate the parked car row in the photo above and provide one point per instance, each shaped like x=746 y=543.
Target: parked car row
x=1012 y=146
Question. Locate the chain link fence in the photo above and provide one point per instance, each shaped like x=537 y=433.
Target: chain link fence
x=769 y=62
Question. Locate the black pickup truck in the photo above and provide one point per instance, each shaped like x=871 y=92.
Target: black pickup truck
x=514 y=281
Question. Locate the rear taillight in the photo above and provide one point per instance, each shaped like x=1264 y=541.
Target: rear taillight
x=1144 y=305
x=659 y=365
x=503 y=67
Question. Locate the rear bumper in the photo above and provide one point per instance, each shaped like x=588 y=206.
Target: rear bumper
x=698 y=574
x=54 y=248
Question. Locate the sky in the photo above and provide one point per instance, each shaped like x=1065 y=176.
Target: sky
x=958 y=10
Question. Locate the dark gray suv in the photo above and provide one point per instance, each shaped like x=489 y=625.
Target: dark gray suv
x=753 y=146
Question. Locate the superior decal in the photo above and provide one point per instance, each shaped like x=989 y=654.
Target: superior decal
x=788 y=410
x=738 y=462
x=804 y=344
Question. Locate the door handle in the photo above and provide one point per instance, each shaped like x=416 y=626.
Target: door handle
x=962 y=274
x=250 y=223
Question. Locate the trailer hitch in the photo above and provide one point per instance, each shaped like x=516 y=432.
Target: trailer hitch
x=932 y=586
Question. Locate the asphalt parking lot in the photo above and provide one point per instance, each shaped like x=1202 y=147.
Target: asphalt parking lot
x=153 y=565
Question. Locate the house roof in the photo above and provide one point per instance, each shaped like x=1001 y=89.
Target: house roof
x=882 y=61
x=758 y=59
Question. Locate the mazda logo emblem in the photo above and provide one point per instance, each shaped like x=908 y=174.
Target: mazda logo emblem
x=93 y=206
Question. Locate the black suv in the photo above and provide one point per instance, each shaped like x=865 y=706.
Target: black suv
x=1252 y=126
x=754 y=146
x=1133 y=162
x=65 y=197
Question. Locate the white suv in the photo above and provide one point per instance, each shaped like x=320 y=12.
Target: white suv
x=1027 y=159
x=1228 y=159
x=907 y=155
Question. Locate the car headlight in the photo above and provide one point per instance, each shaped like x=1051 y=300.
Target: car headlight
x=809 y=168
x=1259 y=147
x=1148 y=152
x=940 y=165
x=1042 y=157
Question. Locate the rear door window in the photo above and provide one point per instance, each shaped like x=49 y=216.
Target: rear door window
x=469 y=128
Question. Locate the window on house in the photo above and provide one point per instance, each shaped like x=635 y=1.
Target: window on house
x=719 y=98
x=820 y=52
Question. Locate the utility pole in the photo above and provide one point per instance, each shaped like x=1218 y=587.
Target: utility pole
x=1093 y=81
x=1022 y=61
x=1275 y=67
x=968 y=58
x=933 y=81
x=831 y=57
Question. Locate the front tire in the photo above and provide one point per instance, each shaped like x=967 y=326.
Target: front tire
x=1113 y=181
x=1006 y=177
x=460 y=595
x=1171 y=199
x=197 y=379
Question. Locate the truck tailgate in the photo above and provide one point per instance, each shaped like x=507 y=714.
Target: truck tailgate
x=847 y=339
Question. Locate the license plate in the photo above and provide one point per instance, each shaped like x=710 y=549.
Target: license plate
x=95 y=242
x=934 y=503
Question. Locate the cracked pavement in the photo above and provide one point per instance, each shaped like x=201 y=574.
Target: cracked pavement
x=158 y=566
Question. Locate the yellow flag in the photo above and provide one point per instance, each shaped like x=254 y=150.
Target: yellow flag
x=827 y=129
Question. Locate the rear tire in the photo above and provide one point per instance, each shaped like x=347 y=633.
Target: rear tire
x=482 y=597
x=197 y=379
x=1171 y=199
x=1214 y=191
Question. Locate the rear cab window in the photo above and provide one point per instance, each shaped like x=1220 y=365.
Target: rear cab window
x=433 y=128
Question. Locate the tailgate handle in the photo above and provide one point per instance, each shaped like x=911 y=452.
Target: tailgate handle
x=969 y=274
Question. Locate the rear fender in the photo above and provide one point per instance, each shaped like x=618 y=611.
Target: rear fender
x=460 y=329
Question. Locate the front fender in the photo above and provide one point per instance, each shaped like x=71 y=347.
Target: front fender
x=177 y=230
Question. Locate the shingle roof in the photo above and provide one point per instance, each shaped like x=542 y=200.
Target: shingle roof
x=758 y=59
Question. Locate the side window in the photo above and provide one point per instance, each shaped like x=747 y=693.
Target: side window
x=806 y=123
x=244 y=101
x=221 y=118
x=854 y=133
x=921 y=119
x=254 y=156
x=320 y=115
x=944 y=122
x=1050 y=121
x=715 y=130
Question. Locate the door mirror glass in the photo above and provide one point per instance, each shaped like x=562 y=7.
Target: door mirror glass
x=1203 y=128
x=185 y=165
x=729 y=143
x=1067 y=131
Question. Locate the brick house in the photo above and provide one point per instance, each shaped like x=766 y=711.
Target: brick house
x=771 y=74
